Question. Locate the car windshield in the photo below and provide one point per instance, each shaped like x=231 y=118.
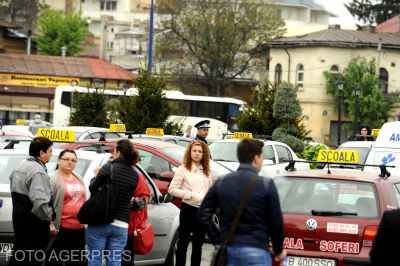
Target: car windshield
x=226 y=151
x=177 y=153
x=9 y=162
x=362 y=155
x=327 y=197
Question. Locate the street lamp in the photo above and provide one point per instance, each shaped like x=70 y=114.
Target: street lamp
x=358 y=92
x=340 y=84
x=97 y=82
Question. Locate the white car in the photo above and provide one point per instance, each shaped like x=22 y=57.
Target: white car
x=224 y=152
x=362 y=147
x=82 y=133
x=164 y=216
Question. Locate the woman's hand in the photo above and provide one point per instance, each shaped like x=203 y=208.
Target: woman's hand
x=53 y=229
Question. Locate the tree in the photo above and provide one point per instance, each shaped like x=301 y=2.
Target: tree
x=214 y=41
x=89 y=109
x=288 y=113
x=257 y=117
x=373 y=107
x=58 y=30
x=22 y=12
x=149 y=108
x=373 y=12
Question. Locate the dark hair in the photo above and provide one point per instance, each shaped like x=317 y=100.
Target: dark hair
x=125 y=147
x=39 y=144
x=66 y=151
x=247 y=149
x=367 y=128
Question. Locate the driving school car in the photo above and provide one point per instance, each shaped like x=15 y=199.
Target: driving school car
x=331 y=217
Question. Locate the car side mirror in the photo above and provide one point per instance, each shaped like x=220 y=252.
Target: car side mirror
x=166 y=176
x=168 y=198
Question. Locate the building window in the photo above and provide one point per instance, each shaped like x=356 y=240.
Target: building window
x=300 y=76
x=278 y=73
x=334 y=70
x=383 y=80
x=108 y=5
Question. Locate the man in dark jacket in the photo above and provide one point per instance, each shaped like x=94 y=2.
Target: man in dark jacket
x=32 y=204
x=385 y=247
x=261 y=219
x=202 y=130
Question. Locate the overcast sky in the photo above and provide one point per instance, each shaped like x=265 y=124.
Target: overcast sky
x=337 y=7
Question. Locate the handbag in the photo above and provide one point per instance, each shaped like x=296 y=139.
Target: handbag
x=220 y=254
x=143 y=240
x=99 y=209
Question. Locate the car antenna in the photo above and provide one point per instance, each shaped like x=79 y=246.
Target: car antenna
x=329 y=168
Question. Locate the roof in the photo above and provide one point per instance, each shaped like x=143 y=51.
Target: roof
x=339 y=38
x=62 y=66
x=362 y=176
x=390 y=26
x=305 y=3
x=157 y=144
x=5 y=24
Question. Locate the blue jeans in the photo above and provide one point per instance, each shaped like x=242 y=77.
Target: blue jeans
x=108 y=241
x=249 y=256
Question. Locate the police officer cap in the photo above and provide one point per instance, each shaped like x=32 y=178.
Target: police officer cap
x=203 y=124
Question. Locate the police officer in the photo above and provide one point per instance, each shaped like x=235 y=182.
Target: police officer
x=202 y=130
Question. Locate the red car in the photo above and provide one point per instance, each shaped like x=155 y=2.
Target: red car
x=331 y=219
x=158 y=158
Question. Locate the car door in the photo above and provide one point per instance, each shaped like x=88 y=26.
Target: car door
x=283 y=154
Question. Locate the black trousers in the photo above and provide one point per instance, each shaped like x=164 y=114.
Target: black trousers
x=31 y=239
x=68 y=248
x=189 y=224
x=129 y=255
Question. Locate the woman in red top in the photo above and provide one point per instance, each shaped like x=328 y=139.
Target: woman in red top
x=67 y=234
x=138 y=219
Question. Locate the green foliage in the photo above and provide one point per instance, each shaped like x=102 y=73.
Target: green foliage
x=257 y=117
x=149 y=108
x=22 y=12
x=310 y=153
x=373 y=108
x=372 y=12
x=89 y=109
x=288 y=114
x=58 y=30
x=213 y=42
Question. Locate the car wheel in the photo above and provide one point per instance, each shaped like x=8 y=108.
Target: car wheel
x=170 y=261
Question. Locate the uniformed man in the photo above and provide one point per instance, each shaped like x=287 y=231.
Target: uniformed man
x=202 y=130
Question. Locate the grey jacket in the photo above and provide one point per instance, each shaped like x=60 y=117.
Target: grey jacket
x=30 y=190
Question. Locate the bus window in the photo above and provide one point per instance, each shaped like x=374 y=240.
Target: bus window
x=66 y=98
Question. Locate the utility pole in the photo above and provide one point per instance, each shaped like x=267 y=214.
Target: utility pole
x=151 y=37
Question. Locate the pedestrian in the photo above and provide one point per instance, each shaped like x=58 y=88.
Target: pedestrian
x=190 y=183
x=261 y=219
x=138 y=216
x=385 y=246
x=36 y=123
x=202 y=130
x=32 y=204
x=365 y=134
x=188 y=132
x=109 y=240
x=67 y=233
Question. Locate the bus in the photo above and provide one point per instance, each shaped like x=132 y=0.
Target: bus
x=187 y=109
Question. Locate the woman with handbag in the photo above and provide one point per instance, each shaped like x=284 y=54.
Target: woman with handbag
x=191 y=183
x=138 y=220
x=108 y=240
x=66 y=232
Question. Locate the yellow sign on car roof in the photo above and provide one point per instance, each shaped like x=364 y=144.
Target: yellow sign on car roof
x=155 y=131
x=20 y=121
x=338 y=156
x=375 y=131
x=242 y=135
x=117 y=128
x=56 y=134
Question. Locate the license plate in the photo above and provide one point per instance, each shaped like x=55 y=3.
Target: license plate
x=5 y=248
x=305 y=261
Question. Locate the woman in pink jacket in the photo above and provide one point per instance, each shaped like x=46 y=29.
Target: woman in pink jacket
x=191 y=183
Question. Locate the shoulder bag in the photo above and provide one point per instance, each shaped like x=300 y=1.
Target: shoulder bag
x=99 y=209
x=219 y=256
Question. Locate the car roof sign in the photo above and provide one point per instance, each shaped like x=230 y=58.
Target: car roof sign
x=242 y=135
x=57 y=135
x=117 y=128
x=338 y=156
x=155 y=131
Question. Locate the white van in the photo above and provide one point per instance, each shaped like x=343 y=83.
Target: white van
x=386 y=149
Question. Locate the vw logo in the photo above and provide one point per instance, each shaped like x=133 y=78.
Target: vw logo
x=311 y=224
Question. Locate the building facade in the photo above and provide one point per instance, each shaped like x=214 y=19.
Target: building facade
x=302 y=60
